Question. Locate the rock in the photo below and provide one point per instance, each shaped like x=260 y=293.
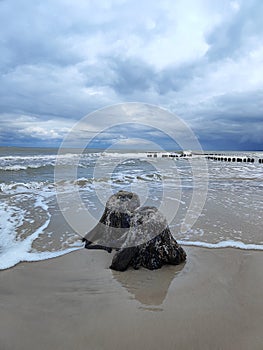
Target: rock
x=140 y=235
x=114 y=223
x=124 y=258
x=149 y=243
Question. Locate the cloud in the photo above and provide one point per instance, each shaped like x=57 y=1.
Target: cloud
x=200 y=59
x=131 y=75
x=236 y=124
x=239 y=32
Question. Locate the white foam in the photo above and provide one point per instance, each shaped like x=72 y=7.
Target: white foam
x=16 y=163
x=23 y=167
x=11 y=218
x=14 y=250
x=124 y=155
x=38 y=256
x=39 y=157
x=10 y=261
x=26 y=187
x=223 y=244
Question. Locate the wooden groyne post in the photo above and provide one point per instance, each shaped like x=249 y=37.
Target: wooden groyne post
x=238 y=159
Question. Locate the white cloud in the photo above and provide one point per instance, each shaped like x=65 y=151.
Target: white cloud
x=41 y=133
x=235 y=5
x=226 y=77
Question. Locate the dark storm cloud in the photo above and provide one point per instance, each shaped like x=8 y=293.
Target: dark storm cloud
x=176 y=78
x=131 y=75
x=232 y=127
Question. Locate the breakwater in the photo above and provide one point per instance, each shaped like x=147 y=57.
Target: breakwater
x=233 y=158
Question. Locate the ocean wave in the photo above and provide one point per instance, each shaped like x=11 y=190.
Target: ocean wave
x=124 y=155
x=18 y=163
x=223 y=244
x=13 y=250
x=83 y=182
x=38 y=157
x=18 y=167
x=11 y=260
x=21 y=187
x=15 y=247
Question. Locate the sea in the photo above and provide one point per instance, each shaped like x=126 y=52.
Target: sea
x=207 y=203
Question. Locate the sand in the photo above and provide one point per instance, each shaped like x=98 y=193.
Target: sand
x=214 y=301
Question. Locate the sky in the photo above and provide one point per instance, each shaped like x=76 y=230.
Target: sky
x=201 y=60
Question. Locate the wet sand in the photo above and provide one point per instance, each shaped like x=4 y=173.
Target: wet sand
x=76 y=302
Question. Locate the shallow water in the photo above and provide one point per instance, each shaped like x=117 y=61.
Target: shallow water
x=207 y=203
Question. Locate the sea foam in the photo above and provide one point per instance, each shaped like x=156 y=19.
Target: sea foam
x=13 y=249
x=223 y=244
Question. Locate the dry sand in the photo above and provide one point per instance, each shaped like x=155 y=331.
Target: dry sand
x=76 y=302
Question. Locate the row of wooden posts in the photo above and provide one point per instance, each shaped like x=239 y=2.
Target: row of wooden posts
x=224 y=158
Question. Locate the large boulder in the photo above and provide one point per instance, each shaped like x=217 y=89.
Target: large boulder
x=140 y=235
x=149 y=243
x=111 y=230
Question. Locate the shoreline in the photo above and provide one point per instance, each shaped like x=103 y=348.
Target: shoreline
x=75 y=301
x=236 y=245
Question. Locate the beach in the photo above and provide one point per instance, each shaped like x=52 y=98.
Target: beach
x=54 y=294
x=213 y=301
x=131 y=175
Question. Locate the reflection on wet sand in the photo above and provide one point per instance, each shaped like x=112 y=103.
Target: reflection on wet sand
x=149 y=288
